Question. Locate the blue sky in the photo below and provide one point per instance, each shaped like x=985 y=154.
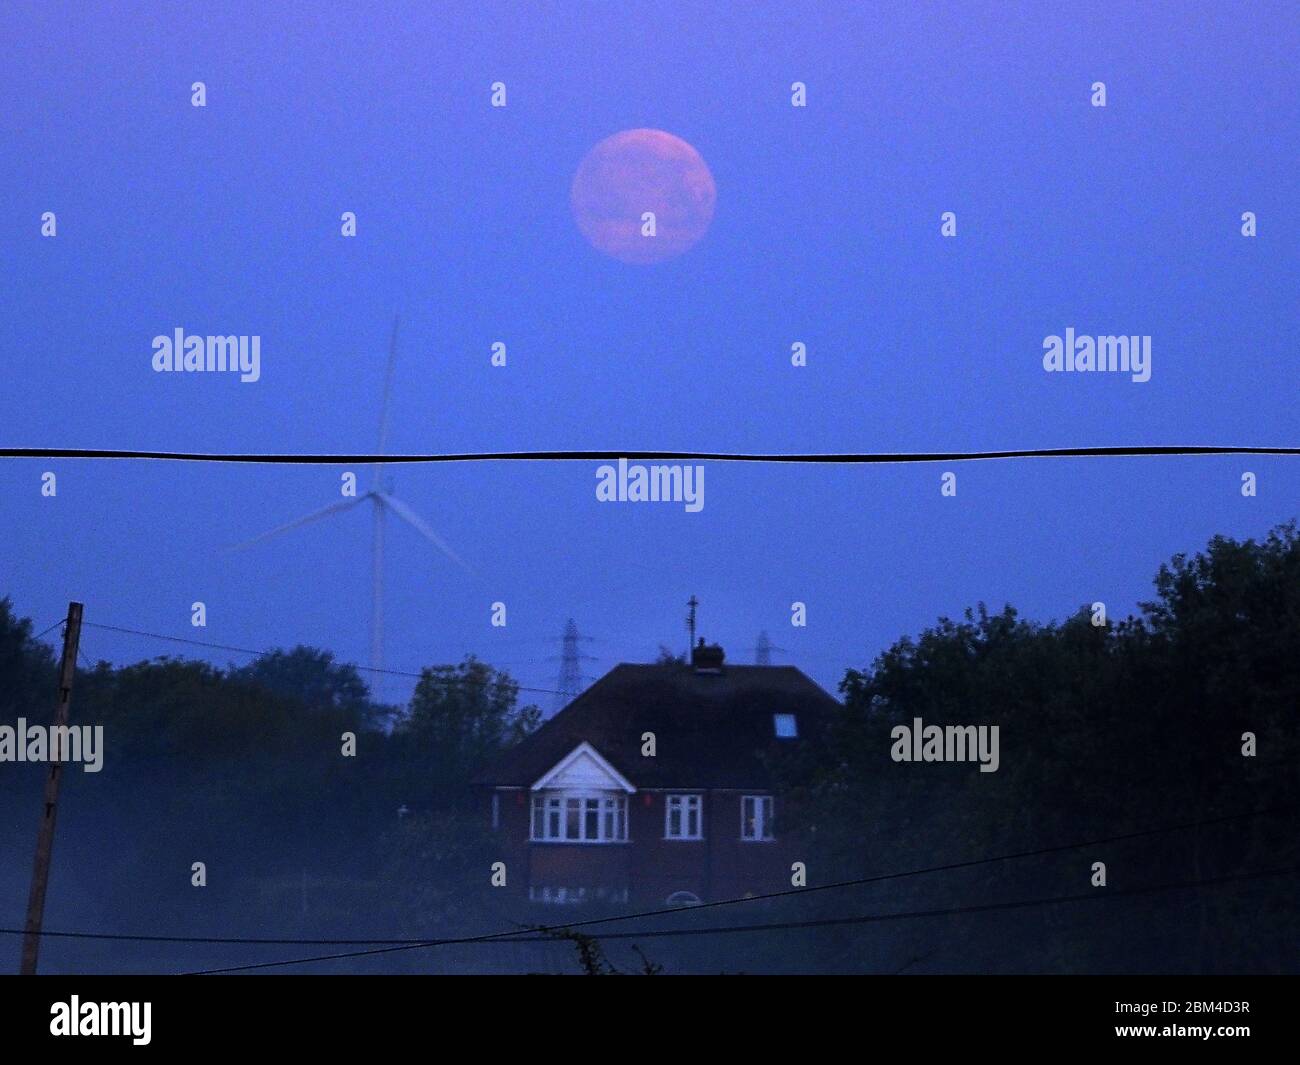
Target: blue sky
x=225 y=219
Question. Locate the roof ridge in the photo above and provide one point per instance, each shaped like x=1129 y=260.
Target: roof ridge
x=723 y=723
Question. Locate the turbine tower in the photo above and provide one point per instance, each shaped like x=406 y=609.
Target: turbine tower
x=382 y=500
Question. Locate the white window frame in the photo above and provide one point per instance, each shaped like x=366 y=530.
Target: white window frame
x=685 y=805
x=764 y=814
x=588 y=817
x=574 y=895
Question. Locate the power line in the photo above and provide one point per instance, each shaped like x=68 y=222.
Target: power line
x=319 y=459
x=950 y=911
x=641 y=642
x=50 y=629
x=265 y=654
x=755 y=898
x=533 y=936
x=825 y=922
x=858 y=882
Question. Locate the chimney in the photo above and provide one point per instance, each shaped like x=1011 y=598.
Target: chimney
x=707 y=657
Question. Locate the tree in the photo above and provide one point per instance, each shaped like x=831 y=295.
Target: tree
x=312 y=677
x=668 y=658
x=26 y=669
x=1104 y=730
x=459 y=718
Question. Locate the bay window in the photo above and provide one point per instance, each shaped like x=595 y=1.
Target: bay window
x=579 y=817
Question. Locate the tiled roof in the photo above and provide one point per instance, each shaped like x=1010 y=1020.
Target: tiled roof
x=711 y=730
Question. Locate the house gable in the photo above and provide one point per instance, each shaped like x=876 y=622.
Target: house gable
x=583 y=769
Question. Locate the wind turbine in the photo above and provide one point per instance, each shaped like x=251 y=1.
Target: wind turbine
x=381 y=498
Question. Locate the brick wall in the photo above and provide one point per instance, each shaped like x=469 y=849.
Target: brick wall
x=721 y=865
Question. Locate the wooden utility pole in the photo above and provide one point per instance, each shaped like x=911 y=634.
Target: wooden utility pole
x=45 y=839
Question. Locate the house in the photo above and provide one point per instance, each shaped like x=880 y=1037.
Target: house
x=659 y=784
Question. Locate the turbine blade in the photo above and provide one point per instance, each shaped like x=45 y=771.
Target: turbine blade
x=419 y=525
x=306 y=519
x=388 y=391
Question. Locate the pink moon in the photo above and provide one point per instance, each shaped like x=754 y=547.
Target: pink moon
x=638 y=171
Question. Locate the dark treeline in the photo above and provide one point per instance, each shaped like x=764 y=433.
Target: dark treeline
x=244 y=769
x=1104 y=730
x=1108 y=729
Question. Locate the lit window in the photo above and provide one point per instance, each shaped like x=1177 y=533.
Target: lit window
x=756 y=817
x=579 y=818
x=575 y=895
x=682 y=818
x=786 y=726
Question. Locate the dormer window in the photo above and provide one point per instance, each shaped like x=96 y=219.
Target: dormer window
x=787 y=728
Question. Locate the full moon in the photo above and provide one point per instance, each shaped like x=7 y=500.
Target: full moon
x=643 y=196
